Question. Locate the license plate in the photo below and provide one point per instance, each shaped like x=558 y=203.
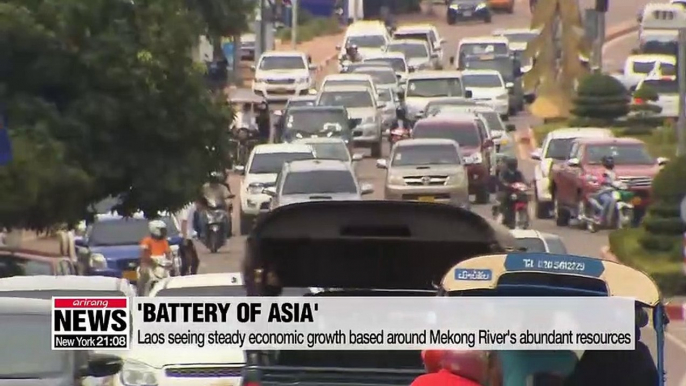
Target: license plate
x=281 y=89
x=467 y=13
x=426 y=199
x=130 y=275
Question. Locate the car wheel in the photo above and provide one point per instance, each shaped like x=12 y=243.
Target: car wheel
x=561 y=215
x=487 y=19
x=483 y=196
x=246 y=224
x=376 y=150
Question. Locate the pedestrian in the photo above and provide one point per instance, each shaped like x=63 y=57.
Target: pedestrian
x=188 y=253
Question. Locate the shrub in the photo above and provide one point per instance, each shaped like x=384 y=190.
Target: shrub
x=601 y=97
x=665 y=267
x=315 y=27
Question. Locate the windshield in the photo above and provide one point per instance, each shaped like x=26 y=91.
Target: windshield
x=12 y=265
x=316 y=121
x=125 y=231
x=271 y=163
x=366 y=41
x=435 y=88
x=348 y=99
x=505 y=66
x=484 y=48
x=48 y=294
x=622 y=154
x=380 y=77
x=493 y=121
x=410 y=50
x=667 y=69
x=282 y=63
x=398 y=64
x=217 y=290
x=419 y=155
x=319 y=182
x=486 y=81
x=25 y=350
x=660 y=48
x=298 y=103
x=337 y=151
x=520 y=37
x=559 y=148
x=346 y=82
x=423 y=36
x=532 y=244
x=464 y=133
x=663 y=86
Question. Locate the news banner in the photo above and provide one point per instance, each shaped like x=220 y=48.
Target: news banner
x=350 y=323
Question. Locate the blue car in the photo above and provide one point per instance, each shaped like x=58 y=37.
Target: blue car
x=110 y=246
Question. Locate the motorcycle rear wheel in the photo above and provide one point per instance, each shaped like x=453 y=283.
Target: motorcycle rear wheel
x=213 y=242
x=522 y=219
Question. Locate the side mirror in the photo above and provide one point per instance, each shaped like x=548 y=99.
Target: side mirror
x=312 y=67
x=352 y=123
x=101 y=365
x=357 y=157
x=536 y=155
x=382 y=164
x=252 y=67
x=468 y=94
x=510 y=128
x=573 y=162
x=662 y=161
x=366 y=189
x=452 y=60
x=270 y=191
x=487 y=144
x=239 y=169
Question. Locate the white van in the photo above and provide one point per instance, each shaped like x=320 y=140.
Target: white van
x=660 y=16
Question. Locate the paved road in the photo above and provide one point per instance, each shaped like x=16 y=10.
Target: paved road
x=615 y=52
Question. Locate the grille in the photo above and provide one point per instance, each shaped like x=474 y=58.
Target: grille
x=127 y=264
x=280 y=81
x=415 y=197
x=203 y=372
x=419 y=180
x=637 y=182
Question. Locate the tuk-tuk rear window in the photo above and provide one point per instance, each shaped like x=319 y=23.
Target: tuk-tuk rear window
x=315 y=120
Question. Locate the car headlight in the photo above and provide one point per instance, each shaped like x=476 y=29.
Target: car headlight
x=455 y=179
x=474 y=159
x=395 y=180
x=509 y=84
x=255 y=188
x=138 y=374
x=480 y=6
x=304 y=80
x=97 y=261
x=502 y=97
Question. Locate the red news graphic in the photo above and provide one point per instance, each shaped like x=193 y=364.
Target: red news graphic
x=90 y=323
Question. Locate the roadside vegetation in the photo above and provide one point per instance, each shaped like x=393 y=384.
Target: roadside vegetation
x=103 y=99
x=310 y=27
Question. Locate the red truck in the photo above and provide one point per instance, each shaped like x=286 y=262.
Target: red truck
x=575 y=179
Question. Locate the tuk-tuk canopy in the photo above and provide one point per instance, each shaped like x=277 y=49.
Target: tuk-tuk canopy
x=580 y=275
x=244 y=95
x=366 y=244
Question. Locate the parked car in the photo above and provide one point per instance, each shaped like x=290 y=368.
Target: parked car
x=429 y=170
x=555 y=150
x=475 y=144
x=26 y=262
x=575 y=179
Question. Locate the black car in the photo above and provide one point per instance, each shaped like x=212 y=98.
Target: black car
x=468 y=10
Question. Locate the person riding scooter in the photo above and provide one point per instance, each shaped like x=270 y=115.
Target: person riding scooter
x=152 y=247
x=506 y=178
x=352 y=53
x=263 y=121
x=603 y=201
x=217 y=191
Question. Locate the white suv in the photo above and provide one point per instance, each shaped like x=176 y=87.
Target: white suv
x=263 y=166
x=280 y=75
x=555 y=149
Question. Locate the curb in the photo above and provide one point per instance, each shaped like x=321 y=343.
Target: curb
x=675 y=311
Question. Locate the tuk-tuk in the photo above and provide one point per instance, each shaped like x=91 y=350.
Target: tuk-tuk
x=240 y=98
x=358 y=248
x=542 y=274
x=244 y=133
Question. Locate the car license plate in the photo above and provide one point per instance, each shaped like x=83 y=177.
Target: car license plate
x=467 y=13
x=280 y=90
x=426 y=199
x=130 y=275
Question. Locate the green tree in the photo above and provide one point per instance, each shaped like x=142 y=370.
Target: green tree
x=103 y=100
x=601 y=97
x=222 y=18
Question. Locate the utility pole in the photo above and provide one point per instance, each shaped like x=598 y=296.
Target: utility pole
x=681 y=77
x=601 y=8
x=294 y=24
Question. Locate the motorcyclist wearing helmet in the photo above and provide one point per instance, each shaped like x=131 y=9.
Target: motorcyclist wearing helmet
x=247 y=120
x=351 y=53
x=263 y=121
x=507 y=176
x=155 y=244
x=603 y=200
x=216 y=191
x=458 y=368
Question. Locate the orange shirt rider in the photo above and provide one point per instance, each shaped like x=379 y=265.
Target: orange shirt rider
x=154 y=246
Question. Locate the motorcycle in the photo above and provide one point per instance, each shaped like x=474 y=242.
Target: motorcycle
x=518 y=216
x=399 y=133
x=216 y=233
x=162 y=269
x=620 y=216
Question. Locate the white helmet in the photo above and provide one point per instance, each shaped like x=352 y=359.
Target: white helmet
x=157 y=228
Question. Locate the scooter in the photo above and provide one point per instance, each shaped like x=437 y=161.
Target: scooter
x=162 y=269
x=216 y=234
x=519 y=217
x=620 y=216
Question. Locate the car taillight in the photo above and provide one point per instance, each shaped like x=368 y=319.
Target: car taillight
x=638 y=101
